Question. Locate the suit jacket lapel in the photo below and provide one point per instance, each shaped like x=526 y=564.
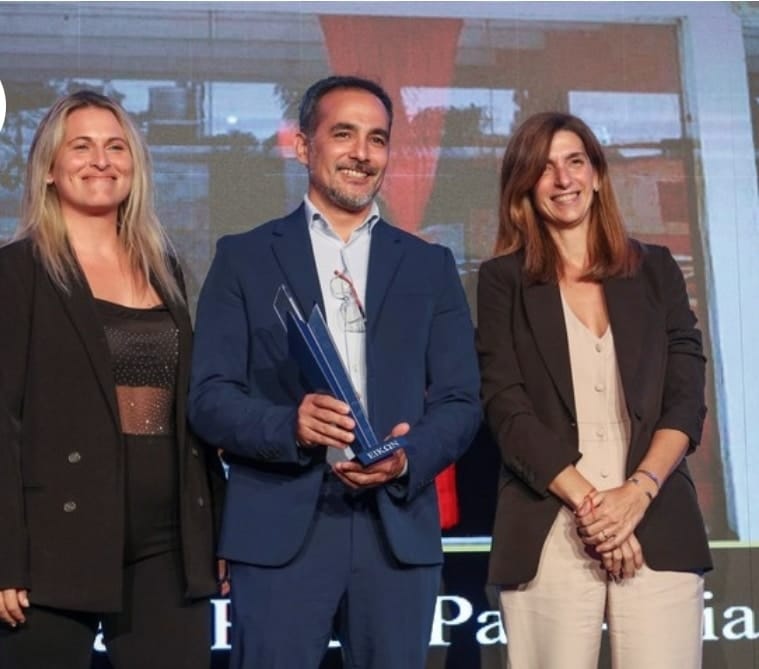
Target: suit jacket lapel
x=292 y=248
x=385 y=253
x=542 y=303
x=81 y=309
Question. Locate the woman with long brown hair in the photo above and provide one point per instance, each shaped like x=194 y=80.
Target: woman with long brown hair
x=593 y=387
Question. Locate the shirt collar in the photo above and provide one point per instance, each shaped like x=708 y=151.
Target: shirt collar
x=318 y=221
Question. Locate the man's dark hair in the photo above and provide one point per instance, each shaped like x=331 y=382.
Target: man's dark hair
x=310 y=103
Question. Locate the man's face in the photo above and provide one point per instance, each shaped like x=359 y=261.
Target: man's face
x=347 y=152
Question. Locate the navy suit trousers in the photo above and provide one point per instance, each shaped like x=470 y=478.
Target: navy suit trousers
x=345 y=584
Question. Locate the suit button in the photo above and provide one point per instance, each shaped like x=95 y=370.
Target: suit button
x=69 y=506
x=201 y=501
x=194 y=451
x=74 y=457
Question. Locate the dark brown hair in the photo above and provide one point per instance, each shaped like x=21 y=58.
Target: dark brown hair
x=309 y=106
x=610 y=250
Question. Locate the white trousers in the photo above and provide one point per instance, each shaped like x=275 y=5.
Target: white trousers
x=554 y=621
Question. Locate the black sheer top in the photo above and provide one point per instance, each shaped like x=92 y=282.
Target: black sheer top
x=144 y=346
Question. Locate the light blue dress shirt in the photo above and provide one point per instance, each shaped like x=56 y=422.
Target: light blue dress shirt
x=352 y=258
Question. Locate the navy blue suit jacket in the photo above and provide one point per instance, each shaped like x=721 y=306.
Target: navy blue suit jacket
x=421 y=369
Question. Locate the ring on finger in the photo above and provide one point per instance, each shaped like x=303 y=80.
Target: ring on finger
x=602 y=534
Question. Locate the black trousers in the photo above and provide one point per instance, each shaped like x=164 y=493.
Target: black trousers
x=156 y=628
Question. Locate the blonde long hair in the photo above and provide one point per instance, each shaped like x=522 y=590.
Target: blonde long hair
x=147 y=246
x=610 y=250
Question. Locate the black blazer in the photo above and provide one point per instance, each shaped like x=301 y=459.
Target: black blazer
x=529 y=404
x=61 y=465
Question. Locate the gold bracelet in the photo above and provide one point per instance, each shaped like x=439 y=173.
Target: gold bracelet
x=634 y=480
x=650 y=475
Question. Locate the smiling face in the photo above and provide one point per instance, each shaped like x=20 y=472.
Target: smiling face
x=347 y=152
x=93 y=167
x=564 y=192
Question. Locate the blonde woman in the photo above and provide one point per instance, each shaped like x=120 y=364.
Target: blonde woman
x=593 y=386
x=108 y=501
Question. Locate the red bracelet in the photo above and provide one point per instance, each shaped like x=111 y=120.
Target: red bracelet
x=588 y=496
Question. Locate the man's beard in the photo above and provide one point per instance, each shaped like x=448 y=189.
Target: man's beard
x=351 y=202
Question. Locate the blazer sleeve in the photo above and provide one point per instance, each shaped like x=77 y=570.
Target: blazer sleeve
x=683 y=405
x=226 y=408
x=16 y=295
x=452 y=411
x=529 y=447
x=217 y=481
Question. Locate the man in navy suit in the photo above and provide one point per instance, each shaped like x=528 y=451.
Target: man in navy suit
x=317 y=543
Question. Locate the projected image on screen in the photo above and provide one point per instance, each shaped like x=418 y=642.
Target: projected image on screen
x=215 y=89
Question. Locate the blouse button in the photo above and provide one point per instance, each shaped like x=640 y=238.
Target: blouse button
x=201 y=501
x=599 y=387
x=74 y=457
x=69 y=506
x=599 y=348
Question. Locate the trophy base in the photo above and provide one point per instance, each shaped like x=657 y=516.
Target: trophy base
x=380 y=452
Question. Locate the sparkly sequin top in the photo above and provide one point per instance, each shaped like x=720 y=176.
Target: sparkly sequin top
x=144 y=345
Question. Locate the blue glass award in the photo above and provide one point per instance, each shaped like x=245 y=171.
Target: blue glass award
x=311 y=345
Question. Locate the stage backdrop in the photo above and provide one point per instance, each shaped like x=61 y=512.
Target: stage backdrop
x=672 y=91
